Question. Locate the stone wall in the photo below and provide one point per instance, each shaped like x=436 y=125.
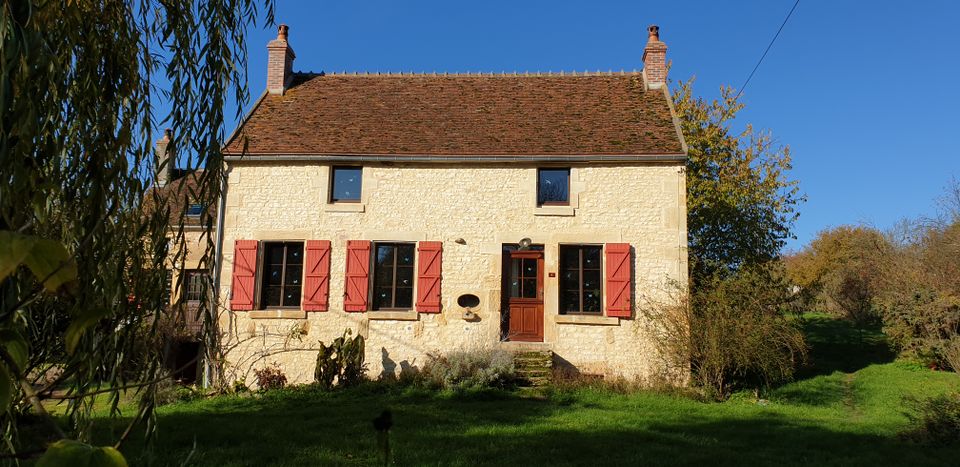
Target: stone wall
x=485 y=206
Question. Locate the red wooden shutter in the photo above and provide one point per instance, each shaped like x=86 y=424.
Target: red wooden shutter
x=244 y=274
x=429 y=264
x=358 y=275
x=619 y=268
x=316 y=284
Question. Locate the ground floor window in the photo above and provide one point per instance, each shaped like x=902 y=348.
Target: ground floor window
x=282 y=274
x=580 y=279
x=393 y=276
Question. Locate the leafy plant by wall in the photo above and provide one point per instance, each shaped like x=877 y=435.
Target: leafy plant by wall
x=341 y=362
x=270 y=377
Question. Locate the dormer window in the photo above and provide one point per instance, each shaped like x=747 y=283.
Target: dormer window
x=346 y=184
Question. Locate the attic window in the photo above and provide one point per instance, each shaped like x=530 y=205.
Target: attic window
x=553 y=187
x=345 y=184
x=194 y=210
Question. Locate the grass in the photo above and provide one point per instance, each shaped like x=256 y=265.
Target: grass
x=844 y=409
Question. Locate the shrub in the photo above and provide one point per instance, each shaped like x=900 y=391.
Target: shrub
x=730 y=331
x=342 y=361
x=270 y=377
x=951 y=353
x=935 y=420
x=169 y=392
x=469 y=369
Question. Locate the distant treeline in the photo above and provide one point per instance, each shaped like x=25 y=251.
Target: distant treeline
x=907 y=278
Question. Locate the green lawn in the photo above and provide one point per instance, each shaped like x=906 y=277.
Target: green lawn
x=844 y=409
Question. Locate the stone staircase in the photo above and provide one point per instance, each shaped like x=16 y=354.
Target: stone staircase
x=534 y=367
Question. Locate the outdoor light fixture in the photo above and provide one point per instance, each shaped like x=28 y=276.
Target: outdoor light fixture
x=525 y=243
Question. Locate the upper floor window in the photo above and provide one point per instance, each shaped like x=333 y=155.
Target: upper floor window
x=282 y=274
x=345 y=184
x=194 y=285
x=580 y=279
x=553 y=187
x=393 y=276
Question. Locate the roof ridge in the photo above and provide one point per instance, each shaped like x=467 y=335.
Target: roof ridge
x=471 y=74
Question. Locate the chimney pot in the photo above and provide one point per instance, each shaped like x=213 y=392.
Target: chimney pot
x=654 y=31
x=282 y=32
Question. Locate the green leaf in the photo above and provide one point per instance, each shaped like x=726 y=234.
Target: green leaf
x=14 y=249
x=70 y=453
x=6 y=388
x=16 y=346
x=80 y=324
x=46 y=259
x=50 y=260
x=107 y=457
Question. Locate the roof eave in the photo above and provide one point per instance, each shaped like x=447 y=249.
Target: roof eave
x=456 y=159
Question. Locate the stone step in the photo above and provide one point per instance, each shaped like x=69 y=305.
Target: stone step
x=534 y=367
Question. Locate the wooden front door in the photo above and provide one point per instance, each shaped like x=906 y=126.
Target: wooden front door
x=524 y=291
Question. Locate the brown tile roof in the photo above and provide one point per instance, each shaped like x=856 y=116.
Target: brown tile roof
x=448 y=115
x=180 y=195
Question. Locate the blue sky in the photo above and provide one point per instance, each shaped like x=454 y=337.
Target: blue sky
x=865 y=93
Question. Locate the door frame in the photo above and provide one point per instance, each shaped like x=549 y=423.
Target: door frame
x=507 y=258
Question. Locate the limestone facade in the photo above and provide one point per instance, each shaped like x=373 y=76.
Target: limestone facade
x=474 y=209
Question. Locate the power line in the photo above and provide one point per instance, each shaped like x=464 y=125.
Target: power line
x=768 y=49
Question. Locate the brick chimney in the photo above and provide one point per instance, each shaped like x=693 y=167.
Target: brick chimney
x=165 y=161
x=279 y=62
x=655 y=59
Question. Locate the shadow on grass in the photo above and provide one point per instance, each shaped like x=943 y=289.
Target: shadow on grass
x=836 y=345
x=503 y=428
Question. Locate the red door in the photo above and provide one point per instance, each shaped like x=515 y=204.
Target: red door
x=524 y=291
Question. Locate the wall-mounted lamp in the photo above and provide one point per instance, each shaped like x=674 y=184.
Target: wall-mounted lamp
x=525 y=243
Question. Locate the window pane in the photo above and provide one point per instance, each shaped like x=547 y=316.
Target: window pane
x=530 y=288
x=591 y=301
x=271 y=296
x=515 y=278
x=291 y=296
x=346 y=184
x=569 y=257
x=404 y=297
x=591 y=257
x=404 y=277
x=385 y=256
x=530 y=268
x=383 y=297
x=294 y=253
x=273 y=275
x=383 y=277
x=405 y=255
x=553 y=186
x=569 y=301
x=570 y=279
x=591 y=279
x=274 y=253
x=294 y=275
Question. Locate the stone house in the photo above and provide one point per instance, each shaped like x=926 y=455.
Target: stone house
x=440 y=212
x=188 y=278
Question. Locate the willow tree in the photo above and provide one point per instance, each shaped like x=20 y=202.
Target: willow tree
x=81 y=260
